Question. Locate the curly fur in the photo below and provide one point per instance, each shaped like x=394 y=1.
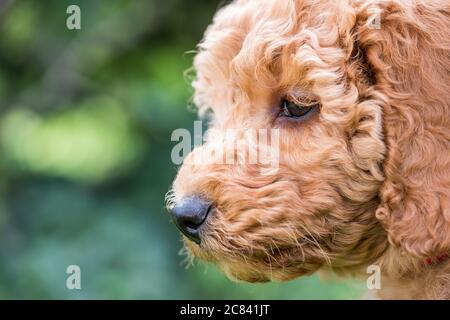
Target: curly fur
x=366 y=180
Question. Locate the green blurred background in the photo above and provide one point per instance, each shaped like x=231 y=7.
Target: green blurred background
x=85 y=124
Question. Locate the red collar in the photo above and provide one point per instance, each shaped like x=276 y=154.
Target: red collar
x=437 y=260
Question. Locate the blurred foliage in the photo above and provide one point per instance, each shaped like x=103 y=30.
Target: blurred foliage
x=86 y=118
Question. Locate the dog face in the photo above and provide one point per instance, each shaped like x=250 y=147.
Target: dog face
x=290 y=67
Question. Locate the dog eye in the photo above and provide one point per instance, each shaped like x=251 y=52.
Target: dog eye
x=292 y=110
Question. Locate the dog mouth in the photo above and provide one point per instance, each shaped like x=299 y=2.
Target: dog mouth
x=257 y=265
x=242 y=257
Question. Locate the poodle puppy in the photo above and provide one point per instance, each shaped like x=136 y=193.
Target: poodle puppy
x=359 y=91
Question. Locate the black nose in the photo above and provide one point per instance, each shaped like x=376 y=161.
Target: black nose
x=189 y=214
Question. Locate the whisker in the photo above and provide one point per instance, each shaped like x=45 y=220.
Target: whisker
x=314 y=241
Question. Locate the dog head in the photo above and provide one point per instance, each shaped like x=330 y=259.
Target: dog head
x=319 y=80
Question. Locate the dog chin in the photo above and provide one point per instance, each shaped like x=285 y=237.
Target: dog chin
x=244 y=269
x=238 y=271
x=242 y=272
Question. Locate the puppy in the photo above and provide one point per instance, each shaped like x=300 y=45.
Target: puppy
x=359 y=94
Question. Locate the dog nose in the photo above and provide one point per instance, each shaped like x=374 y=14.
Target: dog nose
x=189 y=215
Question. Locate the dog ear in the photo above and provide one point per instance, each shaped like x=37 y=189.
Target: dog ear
x=406 y=52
